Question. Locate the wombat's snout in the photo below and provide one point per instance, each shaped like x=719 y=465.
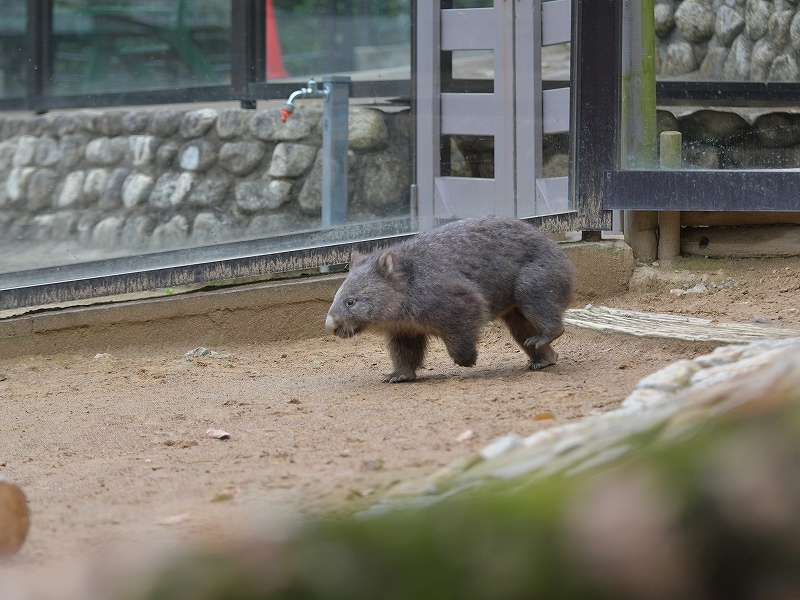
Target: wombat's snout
x=330 y=323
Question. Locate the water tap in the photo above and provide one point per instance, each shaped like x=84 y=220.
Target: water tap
x=310 y=91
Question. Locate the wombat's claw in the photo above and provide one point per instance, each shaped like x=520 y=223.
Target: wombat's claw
x=399 y=377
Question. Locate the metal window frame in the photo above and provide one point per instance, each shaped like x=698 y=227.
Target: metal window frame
x=596 y=157
x=248 y=71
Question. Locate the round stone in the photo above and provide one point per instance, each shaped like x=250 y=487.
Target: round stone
x=680 y=59
x=366 y=130
x=40 y=189
x=72 y=190
x=291 y=160
x=695 y=19
x=136 y=189
x=729 y=24
x=240 y=158
x=196 y=123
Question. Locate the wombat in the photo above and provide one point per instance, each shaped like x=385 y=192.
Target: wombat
x=449 y=282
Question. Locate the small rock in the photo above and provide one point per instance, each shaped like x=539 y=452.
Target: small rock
x=218 y=434
x=500 y=446
x=196 y=123
x=763 y=320
x=463 y=437
x=291 y=160
x=700 y=288
x=136 y=189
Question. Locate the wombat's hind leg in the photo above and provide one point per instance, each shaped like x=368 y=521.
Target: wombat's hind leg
x=542 y=296
x=462 y=347
x=407 y=350
x=522 y=330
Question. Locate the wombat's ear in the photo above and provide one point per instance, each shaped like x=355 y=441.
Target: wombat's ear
x=385 y=265
x=356 y=258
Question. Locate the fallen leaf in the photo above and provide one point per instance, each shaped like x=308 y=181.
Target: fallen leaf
x=465 y=436
x=218 y=434
x=543 y=416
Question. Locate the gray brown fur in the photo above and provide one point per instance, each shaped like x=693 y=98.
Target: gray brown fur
x=449 y=282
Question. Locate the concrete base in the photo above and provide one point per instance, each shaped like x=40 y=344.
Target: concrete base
x=253 y=313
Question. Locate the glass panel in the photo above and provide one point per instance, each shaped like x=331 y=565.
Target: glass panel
x=366 y=39
x=139 y=45
x=473 y=64
x=472 y=156
x=724 y=45
x=13 y=66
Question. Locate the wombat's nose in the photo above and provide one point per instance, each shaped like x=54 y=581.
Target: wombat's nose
x=330 y=323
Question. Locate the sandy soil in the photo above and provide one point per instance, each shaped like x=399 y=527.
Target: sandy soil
x=112 y=450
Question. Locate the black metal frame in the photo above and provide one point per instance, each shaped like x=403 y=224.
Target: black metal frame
x=596 y=154
x=247 y=70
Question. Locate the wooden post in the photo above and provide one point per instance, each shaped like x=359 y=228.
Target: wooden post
x=638 y=135
x=669 y=222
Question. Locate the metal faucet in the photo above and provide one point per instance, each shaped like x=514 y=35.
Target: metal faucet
x=310 y=91
x=335 y=93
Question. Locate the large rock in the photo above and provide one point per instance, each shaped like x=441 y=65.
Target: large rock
x=680 y=59
x=60 y=225
x=196 y=123
x=165 y=155
x=713 y=127
x=136 y=231
x=172 y=234
x=165 y=122
x=17 y=183
x=737 y=66
x=794 y=32
x=73 y=149
x=136 y=121
x=756 y=16
x=665 y=19
x=310 y=196
x=266 y=124
x=136 y=189
x=47 y=152
x=698 y=155
x=171 y=189
x=240 y=158
x=695 y=20
x=112 y=192
x=7 y=151
x=40 y=189
x=779 y=25
x=713 y=65
x=106 y=151
x=72 y=191
x=84 y=228
x=208 y=227
x=764 y=52
x=784 y=68
x=253 y=196
x=107 y=232
x=729 y=24
x=775 y=130
x=366 y=130
x=210 y=192
x=25 y=151
x=109 y=123
x=197 y=156
x=142 y=150
x=291 y=160
x=94 y=184
x=233 y=123
x=387 y=178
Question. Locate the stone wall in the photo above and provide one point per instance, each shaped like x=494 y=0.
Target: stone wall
x=732 y=40
x=161 y=178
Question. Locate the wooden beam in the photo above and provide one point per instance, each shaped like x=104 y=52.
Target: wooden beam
x=741 y=242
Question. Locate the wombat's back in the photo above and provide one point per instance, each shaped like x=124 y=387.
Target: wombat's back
x=490 y=252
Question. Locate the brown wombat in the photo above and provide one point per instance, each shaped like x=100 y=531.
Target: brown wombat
x=449 y=282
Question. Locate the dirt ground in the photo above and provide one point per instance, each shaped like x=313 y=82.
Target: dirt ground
x=112 y=450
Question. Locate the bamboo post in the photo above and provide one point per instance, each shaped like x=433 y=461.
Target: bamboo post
x=669 y=221
x=638 y=133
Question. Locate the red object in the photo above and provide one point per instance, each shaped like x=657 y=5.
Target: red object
x=285 y=112
x=274 y=55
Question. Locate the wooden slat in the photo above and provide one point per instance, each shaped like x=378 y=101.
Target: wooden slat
x=468 y=29
x=464 y=197
x=555 y=110
x=469 y=114
x=556 y=22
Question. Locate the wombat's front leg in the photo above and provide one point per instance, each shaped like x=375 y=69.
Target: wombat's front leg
x=407 y=350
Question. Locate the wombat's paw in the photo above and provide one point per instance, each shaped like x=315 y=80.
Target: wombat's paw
x=543 y=361
x=399 y=377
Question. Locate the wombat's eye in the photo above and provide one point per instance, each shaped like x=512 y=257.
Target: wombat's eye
x=350 y=301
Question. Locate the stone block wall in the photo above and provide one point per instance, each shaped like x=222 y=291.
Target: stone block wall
x=162 y=178
x=730 y=40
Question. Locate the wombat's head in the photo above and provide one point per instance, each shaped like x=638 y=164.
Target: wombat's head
x=369 y=296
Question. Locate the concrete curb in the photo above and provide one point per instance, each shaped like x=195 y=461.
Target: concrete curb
x=252 y=313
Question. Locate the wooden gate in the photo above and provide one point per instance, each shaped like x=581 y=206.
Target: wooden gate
x=516 y=112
